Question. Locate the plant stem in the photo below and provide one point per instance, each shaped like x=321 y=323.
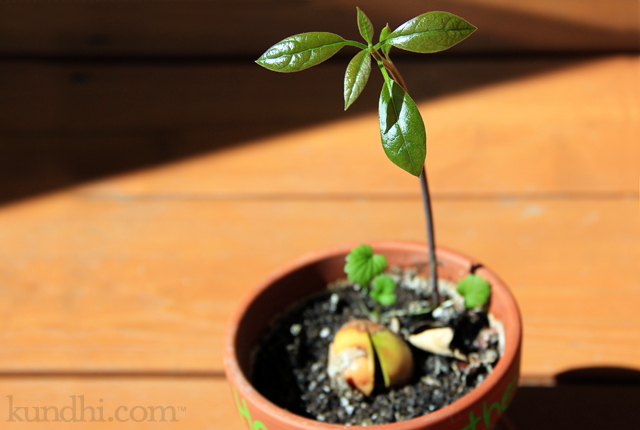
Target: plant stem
x=433 y=263
x=395 y=74
x=426 y=198
x=356 y=44
x=373 y=316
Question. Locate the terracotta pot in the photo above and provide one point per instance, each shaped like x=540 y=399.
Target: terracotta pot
x=478 y=410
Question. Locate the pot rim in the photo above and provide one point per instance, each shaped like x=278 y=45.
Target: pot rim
x=511 y=350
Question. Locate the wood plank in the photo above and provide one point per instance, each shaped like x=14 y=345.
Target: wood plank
x=248 y=27
x=207 y=402
x=78 y=97
x=147 y=284
x=550 y=132
x=568 y=131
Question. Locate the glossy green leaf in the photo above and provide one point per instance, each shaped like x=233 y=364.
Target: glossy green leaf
x=365 y=26
x=384 y=35
x=475 y=290
x=431 y=32
x=363 y=265
x=356 y=77
x=301 y=51
x=401 y=128
x=383 y=290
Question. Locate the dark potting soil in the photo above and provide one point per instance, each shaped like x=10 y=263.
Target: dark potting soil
x=290 y=363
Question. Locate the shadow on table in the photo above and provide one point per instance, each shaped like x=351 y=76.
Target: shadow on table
x=589 y=398
x=99 y=120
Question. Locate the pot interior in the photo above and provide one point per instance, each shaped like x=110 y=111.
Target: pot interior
x=305 y=277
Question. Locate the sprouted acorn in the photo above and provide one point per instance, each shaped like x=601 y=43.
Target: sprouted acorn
x=353 y=353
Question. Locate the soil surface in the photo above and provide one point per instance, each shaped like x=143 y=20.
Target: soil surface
x=290 y=363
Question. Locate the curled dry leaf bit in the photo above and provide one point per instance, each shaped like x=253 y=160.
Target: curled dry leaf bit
x=435 y=340
x=352 y=356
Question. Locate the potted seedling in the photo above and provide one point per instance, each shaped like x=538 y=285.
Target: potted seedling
x=396 y=334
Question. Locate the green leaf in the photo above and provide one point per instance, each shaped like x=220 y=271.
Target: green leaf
x=475 y=290
x=431 y=32
x=387 y=299
x=383 y=290
x=301 y=51
x=363 y=265
x=384 y=35
x=365 y=27
x=356 y=77
x=401 y=129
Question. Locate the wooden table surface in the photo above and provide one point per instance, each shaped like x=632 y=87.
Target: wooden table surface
x=140 y=200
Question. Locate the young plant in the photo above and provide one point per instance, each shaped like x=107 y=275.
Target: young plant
x=383 y=290
x=475 y=290
x=402 y=130
x=365 y=269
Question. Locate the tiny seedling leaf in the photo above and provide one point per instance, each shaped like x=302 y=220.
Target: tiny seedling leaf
x=363 y=265
x=301 y=51
x=384 y=35
x=431 y=32
x=475 y=290
x=365 y=26
x=356 y=77
x=401 y=129
x=383 y=290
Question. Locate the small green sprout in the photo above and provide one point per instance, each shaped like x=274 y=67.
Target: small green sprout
x=383 y=290
x=475 y=290
x=384 y=35
x=365 y=269
x=363 y=265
